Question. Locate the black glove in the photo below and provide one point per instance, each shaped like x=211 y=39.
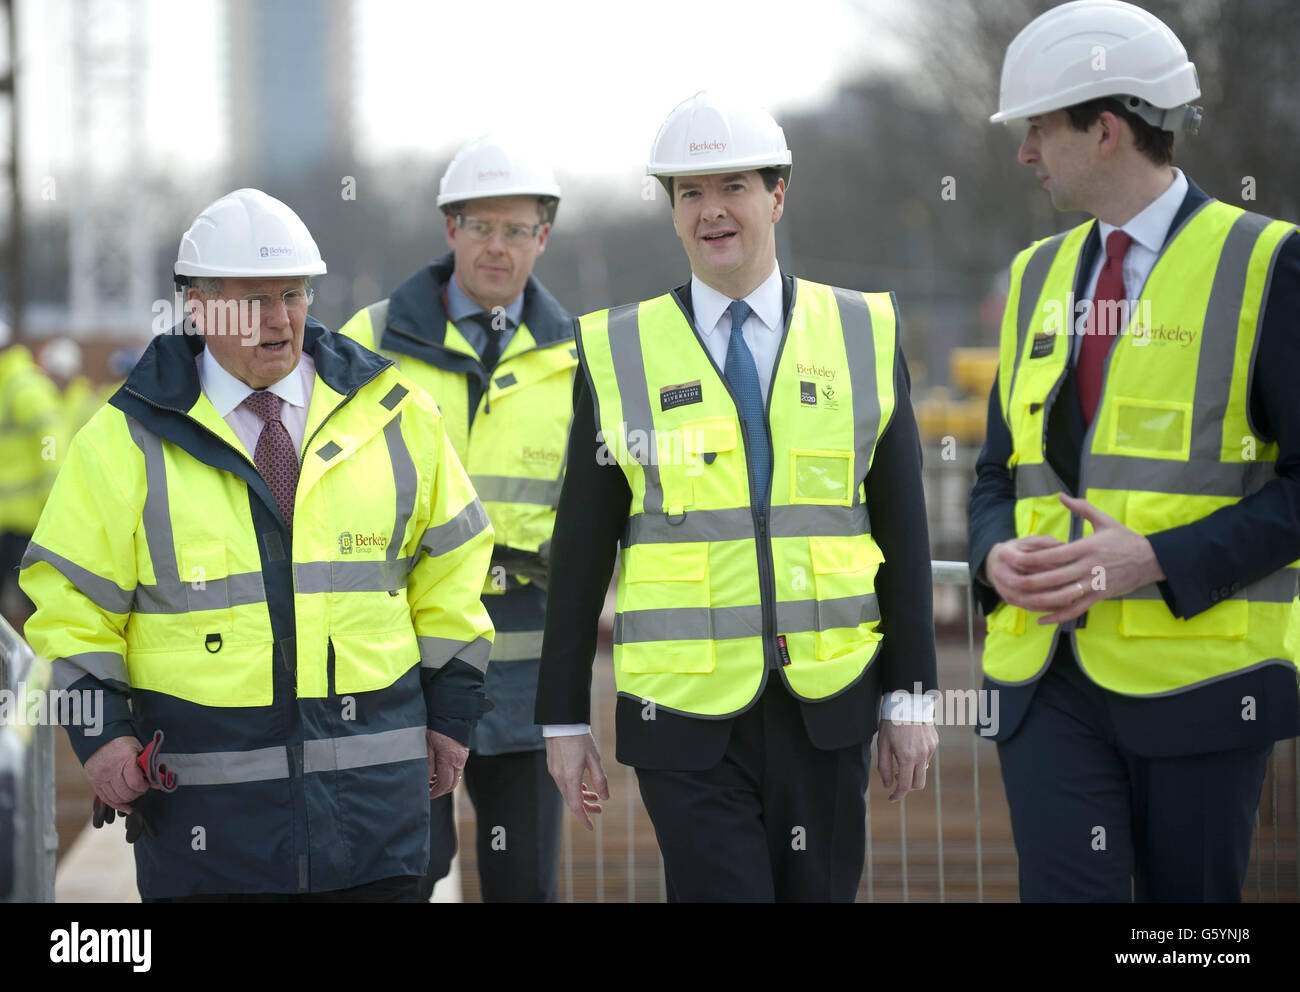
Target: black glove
x=140 y=820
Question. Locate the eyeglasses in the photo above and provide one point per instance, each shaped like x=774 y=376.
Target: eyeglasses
x=294 y=300
x=480 y=231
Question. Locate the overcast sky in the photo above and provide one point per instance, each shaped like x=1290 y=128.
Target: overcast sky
x=590 y=80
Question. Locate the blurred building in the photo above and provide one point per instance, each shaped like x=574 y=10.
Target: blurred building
x=292 y=72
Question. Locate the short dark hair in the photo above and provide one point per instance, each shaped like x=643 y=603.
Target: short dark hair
x=1155 y=144
x=546 y=207
x=769 y=173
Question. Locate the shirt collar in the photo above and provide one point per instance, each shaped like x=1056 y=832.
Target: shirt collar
x=710 y=305
x=1150 y=227
x=226 y=392
x=460 y=306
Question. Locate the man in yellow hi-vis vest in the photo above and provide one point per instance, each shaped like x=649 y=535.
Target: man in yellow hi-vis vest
x=1136 y=520
x=32 y=439
x=486 y=340
x=265 y=548
x=749 y=442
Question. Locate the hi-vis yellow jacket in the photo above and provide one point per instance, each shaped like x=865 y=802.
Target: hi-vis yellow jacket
x=1171 y=443
x=32 y=439
x=293 y=676
x=711 y=593
x=510 y=432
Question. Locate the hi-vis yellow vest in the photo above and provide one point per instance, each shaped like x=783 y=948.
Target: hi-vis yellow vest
x=709 y=592
x=1171 y=443
x=515 y=454
x=32 y=439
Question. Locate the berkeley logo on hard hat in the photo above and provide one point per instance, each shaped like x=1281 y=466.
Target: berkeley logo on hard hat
x=493 y=174
x=274 y=251
x=704 y=147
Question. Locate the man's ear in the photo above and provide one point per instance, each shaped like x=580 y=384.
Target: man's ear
x=194 y=306
x=778 y=195
x=451 y=231
x=1112 y=132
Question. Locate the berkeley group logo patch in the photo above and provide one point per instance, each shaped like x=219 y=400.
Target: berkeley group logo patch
x=349 y=541
x=345 y=543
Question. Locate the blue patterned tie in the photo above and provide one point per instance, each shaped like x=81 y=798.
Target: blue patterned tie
x=742 y=375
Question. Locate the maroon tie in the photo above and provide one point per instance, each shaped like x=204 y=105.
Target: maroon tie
x=275 y=457
x=1100 y=334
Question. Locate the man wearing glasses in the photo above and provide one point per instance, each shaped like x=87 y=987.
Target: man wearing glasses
x=496 y=351
x=264 y=550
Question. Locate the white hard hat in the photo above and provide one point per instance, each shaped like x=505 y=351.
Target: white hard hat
x=707 y=135
x=247 y=234
x=1097 y=48
x=61 y=357
x=490 y=166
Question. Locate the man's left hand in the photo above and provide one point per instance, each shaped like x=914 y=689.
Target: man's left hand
x=447 y=759
x=909 y=746
x=1113 y=561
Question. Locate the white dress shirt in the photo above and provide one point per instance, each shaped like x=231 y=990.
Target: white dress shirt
x=1148 y=229
x=228 y=393
x=762 y=332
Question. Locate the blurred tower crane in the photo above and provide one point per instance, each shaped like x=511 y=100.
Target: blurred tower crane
x=109 y=270
x=16 y=255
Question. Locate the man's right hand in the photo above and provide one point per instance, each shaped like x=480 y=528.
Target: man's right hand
x=566 y=759
x=1010 y=563
x=115 y=776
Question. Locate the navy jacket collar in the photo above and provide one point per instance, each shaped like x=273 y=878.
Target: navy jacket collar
x=417 y=317
x=167 y=374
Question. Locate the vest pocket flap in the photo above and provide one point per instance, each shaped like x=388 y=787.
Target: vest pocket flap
x=202 y=562
x=667 y=562
x=1151 y=427
x=844 y=554
x=532 y=369
x=712 y=434
x=365 y=662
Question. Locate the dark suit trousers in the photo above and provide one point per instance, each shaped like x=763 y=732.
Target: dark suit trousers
x=1091 y=817
x=519 y=813
x=775 y=819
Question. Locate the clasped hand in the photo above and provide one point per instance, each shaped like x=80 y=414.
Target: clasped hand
x=1044 y=575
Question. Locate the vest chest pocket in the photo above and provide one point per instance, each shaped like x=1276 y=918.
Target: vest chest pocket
x=845 y=571
x=711 y=464
x=205 y=577
x=666 y=624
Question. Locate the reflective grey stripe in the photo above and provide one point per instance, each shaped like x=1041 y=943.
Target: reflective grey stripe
x=470 y=521
x=350 y=576
x=363 y=750
x=860 y=348
x=515 y=489
x=405 y=483
x=103 y=665
x=700 y=623
x=738 y=524
x=378 y=321
x=437 y=651
x=809 y=614
x=517 y=645
x=1032 y=280
x=1279 y=587
x=228 y=767
x=1219 y=337
x=1162 y=475
x=624 y=332
x=1037 y=480
x=157 y=514
x=211 y=594
x=108 y=596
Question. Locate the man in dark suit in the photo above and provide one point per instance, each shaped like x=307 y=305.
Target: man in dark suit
x=1141 y=668
x=747 y=712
